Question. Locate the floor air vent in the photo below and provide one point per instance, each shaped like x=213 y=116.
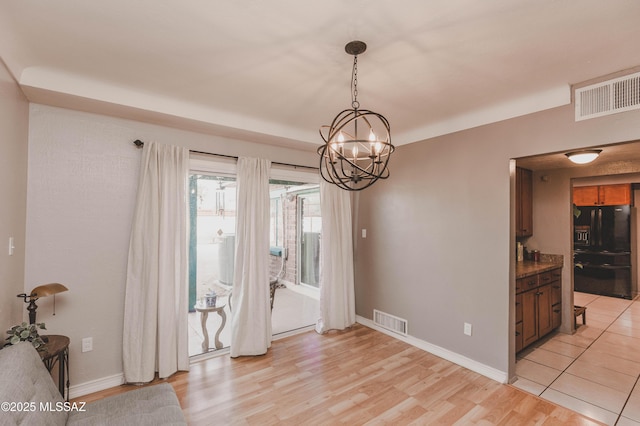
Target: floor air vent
x=609 y=97
x=390 y=322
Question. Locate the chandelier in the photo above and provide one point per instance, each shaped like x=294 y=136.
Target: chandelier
x=357 y=144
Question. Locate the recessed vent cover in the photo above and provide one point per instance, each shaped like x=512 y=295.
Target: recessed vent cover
x=609 y=97
x=390 y=322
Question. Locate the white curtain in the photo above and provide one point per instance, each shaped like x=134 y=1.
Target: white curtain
x=251 y=315
x=337 y=294
x=156 y=298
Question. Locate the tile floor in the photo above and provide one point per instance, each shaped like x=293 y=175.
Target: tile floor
x=595 y=371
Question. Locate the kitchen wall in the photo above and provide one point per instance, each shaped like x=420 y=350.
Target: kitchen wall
x=440 y=244
x=552 y=213
x=14 y=121
x=83 y=175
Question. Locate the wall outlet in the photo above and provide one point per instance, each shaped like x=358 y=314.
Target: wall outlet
x=87 y=344
x=467 y=328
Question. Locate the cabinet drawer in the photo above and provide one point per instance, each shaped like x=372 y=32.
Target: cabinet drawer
x=544 y=278
x=528 y=283
x=556 y=274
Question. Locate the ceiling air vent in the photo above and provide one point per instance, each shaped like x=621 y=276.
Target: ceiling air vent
x=609 y=97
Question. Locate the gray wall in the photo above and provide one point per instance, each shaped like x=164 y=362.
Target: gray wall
x=83 y=175
x=438 y=250
x=440 y=242
x=14 y=119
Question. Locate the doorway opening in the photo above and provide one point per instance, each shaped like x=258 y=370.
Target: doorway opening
x=565 y=366
x=294 y=215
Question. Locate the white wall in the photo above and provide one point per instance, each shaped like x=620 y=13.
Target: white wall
x=440 y=241
x=83 y=174
x=14 y=121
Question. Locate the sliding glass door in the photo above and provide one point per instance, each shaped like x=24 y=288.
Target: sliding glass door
x=211 y=255
x=295 y=230
x=310 y=225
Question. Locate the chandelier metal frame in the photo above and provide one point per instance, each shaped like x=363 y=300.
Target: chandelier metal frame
x=349 y=159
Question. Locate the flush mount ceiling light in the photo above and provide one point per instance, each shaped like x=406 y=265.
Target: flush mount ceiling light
x=357 y=144
x=584 y=156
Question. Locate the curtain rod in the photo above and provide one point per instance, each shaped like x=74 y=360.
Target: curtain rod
x=140 y=144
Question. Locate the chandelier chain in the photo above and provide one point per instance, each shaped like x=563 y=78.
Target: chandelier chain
x=354 y=84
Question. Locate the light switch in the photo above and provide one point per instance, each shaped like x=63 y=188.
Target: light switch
x=364 y=233
x=12 y=247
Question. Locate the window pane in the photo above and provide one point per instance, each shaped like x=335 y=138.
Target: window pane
x=311 y=227
x=211 y=254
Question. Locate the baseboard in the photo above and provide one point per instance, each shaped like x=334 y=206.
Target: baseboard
x=463 y=361
x=96 y=385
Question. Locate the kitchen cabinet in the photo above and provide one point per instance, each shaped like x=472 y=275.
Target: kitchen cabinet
x=556 y=298
x=519 y=314
x=524 y=202
x=538 y=306
x=602 y=195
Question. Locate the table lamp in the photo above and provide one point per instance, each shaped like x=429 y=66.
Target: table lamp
x=38 y=292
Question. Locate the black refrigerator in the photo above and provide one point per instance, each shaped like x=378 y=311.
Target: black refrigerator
x=602 y=250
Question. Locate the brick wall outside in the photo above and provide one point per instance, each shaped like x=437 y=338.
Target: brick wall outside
x=290 y=231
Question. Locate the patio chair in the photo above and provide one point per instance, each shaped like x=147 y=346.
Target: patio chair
x=274 y=282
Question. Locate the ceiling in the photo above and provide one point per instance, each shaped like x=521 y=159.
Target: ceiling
x=274 y=71
x=612 y=159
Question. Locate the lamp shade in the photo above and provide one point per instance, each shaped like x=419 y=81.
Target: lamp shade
x=47 y=290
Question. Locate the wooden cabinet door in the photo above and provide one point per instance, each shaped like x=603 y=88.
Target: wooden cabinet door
x=602 y=195
x=545 y=312
x=585 y=195
x=529 y=317
x=524 y=202
x=519 y=339
x=556 y=298
x=614 y=195
x=556 y=315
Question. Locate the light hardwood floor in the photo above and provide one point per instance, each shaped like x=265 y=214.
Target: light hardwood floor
x=358 y=376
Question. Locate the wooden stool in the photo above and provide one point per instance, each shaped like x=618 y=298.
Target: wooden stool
x=577 y=311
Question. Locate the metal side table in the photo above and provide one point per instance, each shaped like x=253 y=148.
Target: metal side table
x=56 y=351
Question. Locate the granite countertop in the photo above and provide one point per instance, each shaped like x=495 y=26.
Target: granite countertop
x=527 y=268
